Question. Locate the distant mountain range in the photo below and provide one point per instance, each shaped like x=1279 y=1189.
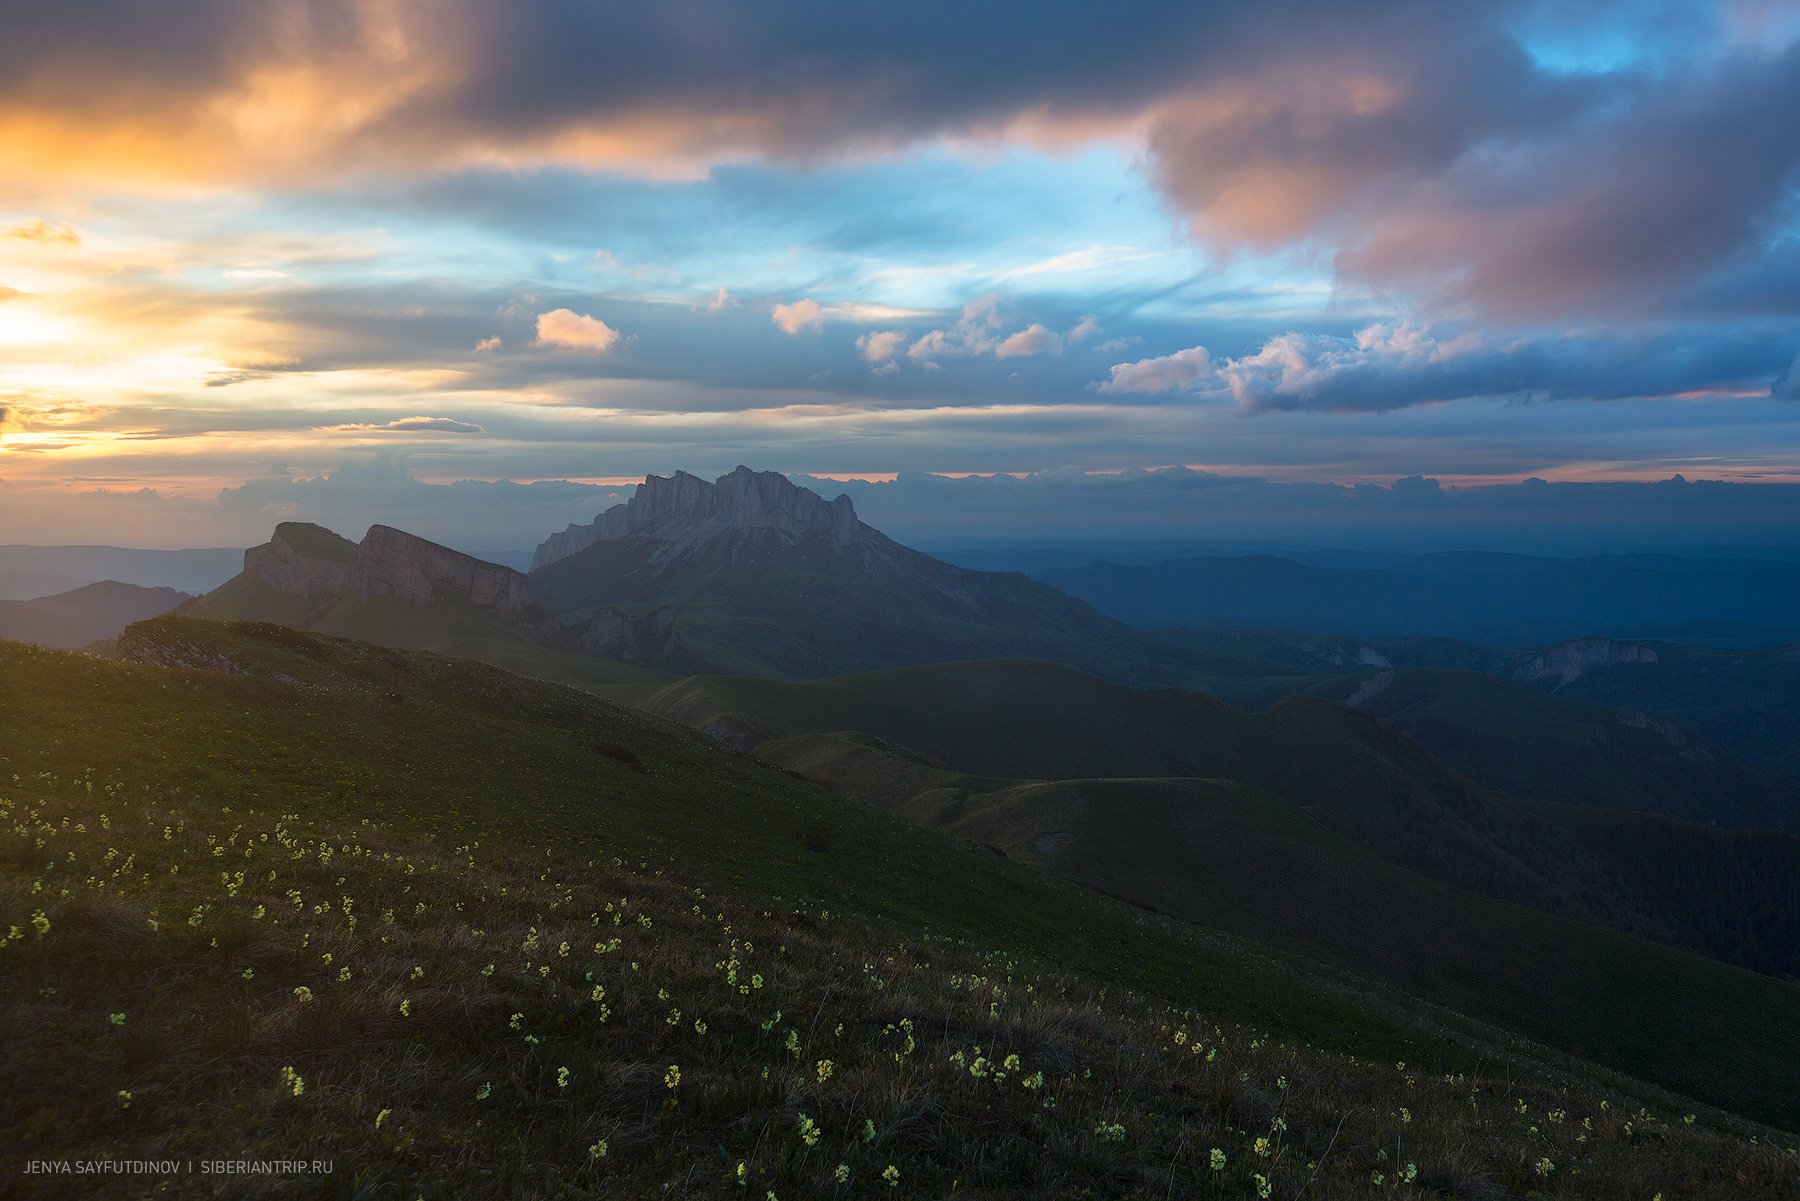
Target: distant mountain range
x=1492 y=599
x=182 y=570
x=30 y=585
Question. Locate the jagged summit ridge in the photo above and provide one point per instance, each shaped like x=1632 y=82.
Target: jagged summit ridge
x=311 y=561
x=684 y=508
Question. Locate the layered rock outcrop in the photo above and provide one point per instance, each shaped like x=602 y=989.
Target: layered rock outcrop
x=303 y=560
x=649 y=639
x=684 y=509
x=391 y=562
x=1566 y=662
x=311 y=561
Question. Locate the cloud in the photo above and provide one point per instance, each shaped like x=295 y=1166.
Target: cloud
x=1787 y=387
x=489 y=345
x=438 y=425
x=576 y=331
x=976 y=332
x=44 y=233
x=881 y=346
x=1389 y=366
x=1183 y=371
x=1387 y=137
x=802 y=314
x=1082 y=330
x=1034 y=339
x=721 y=300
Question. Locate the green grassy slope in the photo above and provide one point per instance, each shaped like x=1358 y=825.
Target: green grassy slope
x=632 y=1033
x=1745 y=701
x=467 y=752
x=1023 y=720
x=287 y=878
x=1243 y=860
x=449 y=625
x=1558 y=748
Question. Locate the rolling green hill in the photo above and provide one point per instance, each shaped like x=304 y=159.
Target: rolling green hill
x=1039 y=721
x=1747 y=702
x=467 y=932
x=1552 y=747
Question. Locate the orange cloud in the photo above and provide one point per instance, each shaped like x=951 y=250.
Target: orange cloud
x=575 y=331
x=44 y=233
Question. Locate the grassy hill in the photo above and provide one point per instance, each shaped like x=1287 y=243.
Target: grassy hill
x=450 y=624
x=1745 y=701
x=257 y=919
x=1039 y=721
x=1560 y=748
x=86 y=614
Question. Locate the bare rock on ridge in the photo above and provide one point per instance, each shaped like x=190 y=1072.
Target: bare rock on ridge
x=685 y=509
x=310 y=561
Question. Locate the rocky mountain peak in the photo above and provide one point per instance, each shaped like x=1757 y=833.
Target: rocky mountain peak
x=684 y=508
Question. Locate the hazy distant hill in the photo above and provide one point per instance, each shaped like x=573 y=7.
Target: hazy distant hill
x=1512 y=600
x=29 y=585
x=751 y=574
x=87 y=614
x=183 y=570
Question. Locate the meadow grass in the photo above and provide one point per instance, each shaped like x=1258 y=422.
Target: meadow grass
x=496 y=938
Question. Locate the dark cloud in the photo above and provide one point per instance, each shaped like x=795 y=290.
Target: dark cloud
x=1427 y=144
x=1625 y=212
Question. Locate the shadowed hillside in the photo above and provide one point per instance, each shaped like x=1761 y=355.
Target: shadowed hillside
x=661 y=926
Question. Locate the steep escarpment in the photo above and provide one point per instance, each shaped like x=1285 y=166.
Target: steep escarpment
x=392 y=583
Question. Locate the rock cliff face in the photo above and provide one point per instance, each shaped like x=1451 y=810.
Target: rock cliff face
x=684 y=510
x=303 y=560
x=1564 y=663
x=392 y=562
x=649 y=640
x=312 y=562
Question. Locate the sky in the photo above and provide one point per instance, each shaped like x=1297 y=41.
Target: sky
x=476 y=266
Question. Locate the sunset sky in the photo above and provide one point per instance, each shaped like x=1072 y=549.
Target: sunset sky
x=290 y=258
